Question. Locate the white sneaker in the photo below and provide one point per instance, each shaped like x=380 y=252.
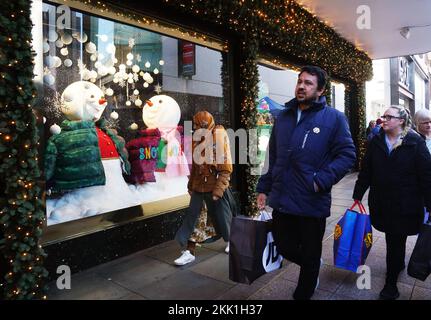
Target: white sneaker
x=227 y=248
x=186 y=257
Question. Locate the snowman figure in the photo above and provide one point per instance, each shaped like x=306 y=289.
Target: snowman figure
x=162 y=113
x=85 y=161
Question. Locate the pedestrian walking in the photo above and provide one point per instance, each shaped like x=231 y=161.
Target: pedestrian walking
x=370 y=127
x=310 y=150
x=375 y=130
x=208 y=183
x=397 y=169
x=423 y=125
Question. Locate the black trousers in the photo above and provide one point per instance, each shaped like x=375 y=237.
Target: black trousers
x=395 y=256
x=299 y=239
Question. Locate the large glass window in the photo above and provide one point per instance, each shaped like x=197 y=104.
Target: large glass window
x=276 y=87
x=114 y=100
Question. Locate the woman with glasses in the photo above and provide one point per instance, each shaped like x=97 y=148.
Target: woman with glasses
x=397 y=169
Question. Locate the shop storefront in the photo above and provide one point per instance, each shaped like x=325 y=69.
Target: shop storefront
x=97 y=74
x=130 y=77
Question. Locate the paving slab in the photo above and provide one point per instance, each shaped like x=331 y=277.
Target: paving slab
x=88 y=286
x=169 y=251
x=137 y=273
x=185 y=285
x=216 y=267
x=349 y=288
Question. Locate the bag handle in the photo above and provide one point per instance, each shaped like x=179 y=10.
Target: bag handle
x=360 y=205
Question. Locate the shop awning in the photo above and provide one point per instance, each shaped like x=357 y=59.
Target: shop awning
x=387 y=18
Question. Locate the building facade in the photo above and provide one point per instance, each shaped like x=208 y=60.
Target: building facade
x=401 y=81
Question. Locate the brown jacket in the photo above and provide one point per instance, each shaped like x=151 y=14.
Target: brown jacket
x=211 y=176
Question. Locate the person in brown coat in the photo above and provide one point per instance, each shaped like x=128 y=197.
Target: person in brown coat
x=209 y=179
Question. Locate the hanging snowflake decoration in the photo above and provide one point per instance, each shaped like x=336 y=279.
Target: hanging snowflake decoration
x=122 y=83
x=138 y=57
x=131 y=42
x=54 y=106
x=132 y=98
x=158 y=88
x=112 y=123
x=135 y=77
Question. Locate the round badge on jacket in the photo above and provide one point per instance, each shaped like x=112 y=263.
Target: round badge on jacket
x=316 y=130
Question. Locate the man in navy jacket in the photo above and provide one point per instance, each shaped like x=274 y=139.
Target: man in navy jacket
x=310 y=150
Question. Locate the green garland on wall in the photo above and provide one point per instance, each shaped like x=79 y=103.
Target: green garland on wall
x=21 y=208
x=354 y=95
x=249 y=77
x=328 y=91
x=287 y=28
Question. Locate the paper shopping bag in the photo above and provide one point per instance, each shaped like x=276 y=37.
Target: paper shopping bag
x=252 y=250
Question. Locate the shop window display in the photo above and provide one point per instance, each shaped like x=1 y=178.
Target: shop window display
x=114 y=108
x=276 y=87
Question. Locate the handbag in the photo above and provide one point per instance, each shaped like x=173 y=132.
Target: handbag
x=419 y=266
x=353 y=238
x=230 y=199
x=252 y=250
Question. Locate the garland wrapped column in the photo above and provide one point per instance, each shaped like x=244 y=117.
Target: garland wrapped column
x=249 y=77
x=355 y=97
x=21 y=208
x=328 y=91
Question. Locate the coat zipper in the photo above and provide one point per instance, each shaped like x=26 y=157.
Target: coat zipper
x=305 y=139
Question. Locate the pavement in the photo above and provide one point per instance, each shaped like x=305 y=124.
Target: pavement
x=151 y=274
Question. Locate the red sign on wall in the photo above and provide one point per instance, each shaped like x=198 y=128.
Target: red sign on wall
x=186 y=59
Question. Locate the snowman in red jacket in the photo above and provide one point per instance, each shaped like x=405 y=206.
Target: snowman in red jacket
x=86 y=160
x=161 y=114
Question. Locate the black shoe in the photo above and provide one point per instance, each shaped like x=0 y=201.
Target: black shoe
x=300 y=294
x=389 y=292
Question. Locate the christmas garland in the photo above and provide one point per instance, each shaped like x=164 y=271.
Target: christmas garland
x=21 y=208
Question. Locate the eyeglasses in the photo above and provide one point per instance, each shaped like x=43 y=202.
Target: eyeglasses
x=426 y=122
x=389 y=117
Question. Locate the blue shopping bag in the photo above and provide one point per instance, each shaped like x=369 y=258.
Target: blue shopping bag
x=353 y=238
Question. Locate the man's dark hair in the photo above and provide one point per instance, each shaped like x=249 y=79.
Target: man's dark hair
x=321 y=75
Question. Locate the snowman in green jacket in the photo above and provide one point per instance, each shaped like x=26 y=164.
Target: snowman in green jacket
x=85 y=161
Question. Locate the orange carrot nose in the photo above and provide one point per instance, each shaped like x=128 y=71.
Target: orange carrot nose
x=102 y=100
x=150 y=103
